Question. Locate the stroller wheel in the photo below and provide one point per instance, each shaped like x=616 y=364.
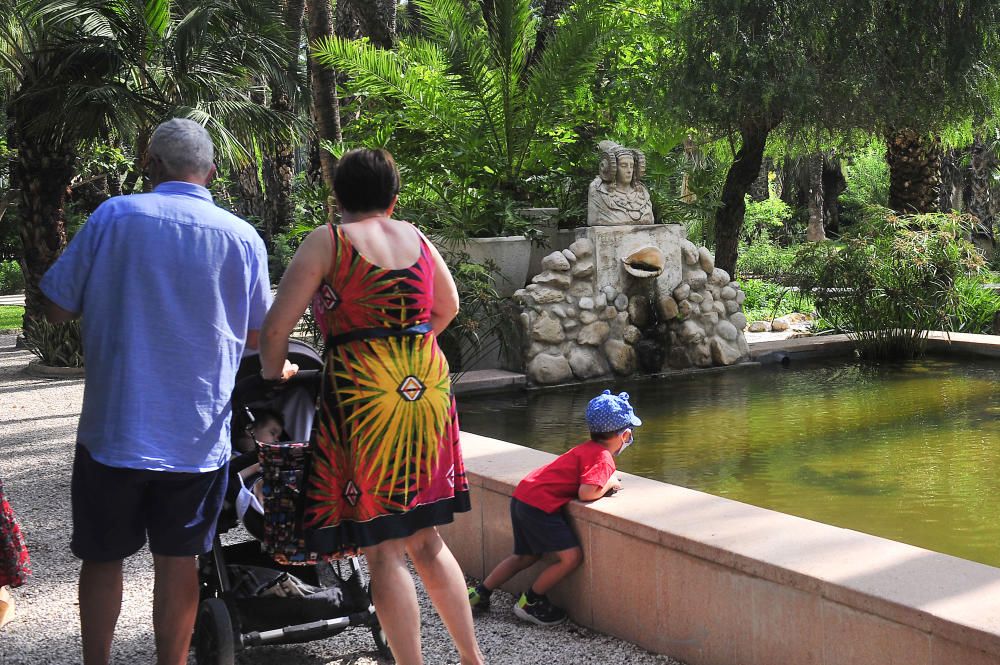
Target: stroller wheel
x=381 y=643
x=214 y=643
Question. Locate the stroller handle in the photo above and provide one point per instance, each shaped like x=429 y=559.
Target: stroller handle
x=255 y=388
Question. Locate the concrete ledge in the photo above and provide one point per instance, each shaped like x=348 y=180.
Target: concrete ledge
x=714 y=581
x=485 y=380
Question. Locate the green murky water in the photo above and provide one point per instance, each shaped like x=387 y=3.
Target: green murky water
x=904 y=451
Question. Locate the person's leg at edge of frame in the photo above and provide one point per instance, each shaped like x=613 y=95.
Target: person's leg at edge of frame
x=395 y=599
x=175 y=607
x=566 y=562
x=100 y=595
x=445 y=584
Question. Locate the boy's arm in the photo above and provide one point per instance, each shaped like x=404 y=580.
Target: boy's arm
x=595 y=492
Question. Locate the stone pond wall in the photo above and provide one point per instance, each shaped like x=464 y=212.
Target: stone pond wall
x=585 y=318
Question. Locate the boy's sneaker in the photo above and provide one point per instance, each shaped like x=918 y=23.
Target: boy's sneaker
x=540 y=612
x=479 y=600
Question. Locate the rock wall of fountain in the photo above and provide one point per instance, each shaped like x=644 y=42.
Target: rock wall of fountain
x=585 y=317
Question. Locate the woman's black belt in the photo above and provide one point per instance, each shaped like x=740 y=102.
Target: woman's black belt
x=377 y=333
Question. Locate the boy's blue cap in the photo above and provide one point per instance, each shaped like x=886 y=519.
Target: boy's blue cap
x=610 y=413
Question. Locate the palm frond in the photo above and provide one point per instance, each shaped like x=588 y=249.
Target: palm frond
x=378 y=72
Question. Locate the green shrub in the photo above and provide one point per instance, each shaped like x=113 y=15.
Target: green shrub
x=11 y=279
x=767 y=301
x=765 y=219
x=867 y=175
x=975 y=307
x=57 y=345
x=765 y=259
x=893 y=279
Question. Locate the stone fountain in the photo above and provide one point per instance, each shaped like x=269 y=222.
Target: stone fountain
x=628 y=296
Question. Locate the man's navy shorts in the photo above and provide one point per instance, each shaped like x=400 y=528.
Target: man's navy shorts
x=538 y=532
x=115 y=508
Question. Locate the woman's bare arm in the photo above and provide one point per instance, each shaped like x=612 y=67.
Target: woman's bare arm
x=300 y=281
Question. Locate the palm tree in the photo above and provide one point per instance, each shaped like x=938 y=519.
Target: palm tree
x=88 y=69
x=472 y=85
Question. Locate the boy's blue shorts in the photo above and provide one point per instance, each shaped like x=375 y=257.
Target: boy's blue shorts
x=538 y=532
x=115 y=508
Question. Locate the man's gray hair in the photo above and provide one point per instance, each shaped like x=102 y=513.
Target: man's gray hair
x=184 y=147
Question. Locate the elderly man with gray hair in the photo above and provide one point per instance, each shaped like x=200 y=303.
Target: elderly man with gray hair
x=171 y=289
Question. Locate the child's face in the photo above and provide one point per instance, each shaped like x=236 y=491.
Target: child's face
x=268 y=431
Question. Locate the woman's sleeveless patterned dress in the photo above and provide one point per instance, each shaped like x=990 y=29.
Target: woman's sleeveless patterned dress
x=14 y=566
x=386 y=460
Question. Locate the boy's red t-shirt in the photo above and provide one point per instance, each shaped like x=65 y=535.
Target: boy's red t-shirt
x=552 y=486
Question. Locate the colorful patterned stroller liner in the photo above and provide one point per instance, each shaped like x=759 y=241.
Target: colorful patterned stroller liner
x=283 y=466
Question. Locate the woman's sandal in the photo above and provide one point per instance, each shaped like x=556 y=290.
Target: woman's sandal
x=6 y=606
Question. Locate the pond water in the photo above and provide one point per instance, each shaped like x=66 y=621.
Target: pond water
x=905 y=451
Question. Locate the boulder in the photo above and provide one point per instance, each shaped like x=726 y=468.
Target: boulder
x=697 y=279
x=759 y=327
x=726 y=331
x=696 y=298
x=581 y=288
x=570 y=256
x=582 y=247
x=621 y=302
x=689 y=252
x=586 y=303
x=779 y=325
x=667 y=308
x=728 y=293
x=544 y=295
x=740 y=297
x=621 y=356
x=547 y=368
x=587 y=363
x=610 y=293
x=600 y=300
x=719 y=277
x=706 y=260
x=582 y=269
x=594 y=334
x=724 y=353
x=631 y=334
x=547 y=329
x=609 y=313
x=559 y=280
x=682 y=292
x=556 y=262
x=732 y=306
x=739 y=319
x=587 y=316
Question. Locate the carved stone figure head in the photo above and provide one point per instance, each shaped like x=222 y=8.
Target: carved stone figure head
x=621 y=165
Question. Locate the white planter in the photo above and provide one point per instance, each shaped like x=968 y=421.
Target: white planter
x=512 y=256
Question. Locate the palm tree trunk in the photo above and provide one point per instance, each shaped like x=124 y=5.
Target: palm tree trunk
x=951 y=196
x=378 y=20
x=741 y=175
x=815 y=231
x=980 y=196
x=279 y=168
x=326 y=104
x=834 y=184
x=914 y=171
x=44 y=172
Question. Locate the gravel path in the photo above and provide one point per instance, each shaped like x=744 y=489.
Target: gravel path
x=37 y=427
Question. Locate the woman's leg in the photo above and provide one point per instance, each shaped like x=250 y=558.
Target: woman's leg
x=395 y=600
x=445 y=585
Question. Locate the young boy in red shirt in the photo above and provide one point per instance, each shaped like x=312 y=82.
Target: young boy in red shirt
x=586 y=472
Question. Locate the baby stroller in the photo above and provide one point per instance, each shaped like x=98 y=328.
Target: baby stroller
x=247 y=599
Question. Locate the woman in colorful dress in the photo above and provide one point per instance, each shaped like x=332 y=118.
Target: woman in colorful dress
x=386 y=466
x=13 y=558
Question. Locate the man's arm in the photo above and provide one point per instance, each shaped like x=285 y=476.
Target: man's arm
x=56 y=314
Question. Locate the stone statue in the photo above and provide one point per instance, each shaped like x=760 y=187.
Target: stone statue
x=616 y=196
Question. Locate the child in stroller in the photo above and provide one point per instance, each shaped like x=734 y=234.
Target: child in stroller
x=247 y=598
